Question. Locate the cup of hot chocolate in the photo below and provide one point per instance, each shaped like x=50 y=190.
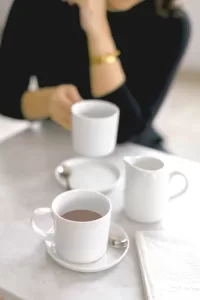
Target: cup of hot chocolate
x=81 y=223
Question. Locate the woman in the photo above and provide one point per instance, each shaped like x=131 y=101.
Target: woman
x=73 y=48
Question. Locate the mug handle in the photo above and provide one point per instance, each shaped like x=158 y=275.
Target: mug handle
x=181 y=192
x=42 y=212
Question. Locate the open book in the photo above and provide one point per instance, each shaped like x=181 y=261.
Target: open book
x=170 y=266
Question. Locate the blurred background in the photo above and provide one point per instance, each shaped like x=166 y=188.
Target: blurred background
x=179 y=118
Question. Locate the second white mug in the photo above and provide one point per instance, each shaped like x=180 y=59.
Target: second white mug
x=94 y=127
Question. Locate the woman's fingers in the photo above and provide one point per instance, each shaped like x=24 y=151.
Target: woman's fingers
x=66 y=124
x=73 y=94
x=61 y=102
x=62 y=117
x=70 y=93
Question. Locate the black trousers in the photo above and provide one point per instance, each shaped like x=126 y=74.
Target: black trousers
x=149 y=138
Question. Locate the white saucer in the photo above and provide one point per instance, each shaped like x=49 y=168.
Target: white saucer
x=88 y=173
x=110 y=259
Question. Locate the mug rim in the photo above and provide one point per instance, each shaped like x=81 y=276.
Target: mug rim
x=93 y=101
x=78 y=191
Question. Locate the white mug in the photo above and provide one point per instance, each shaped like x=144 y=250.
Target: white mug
x=77 y=242
x=94 y=127
x=147 y=188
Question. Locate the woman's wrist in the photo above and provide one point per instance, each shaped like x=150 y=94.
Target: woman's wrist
x=98 y=29
x=100 y=42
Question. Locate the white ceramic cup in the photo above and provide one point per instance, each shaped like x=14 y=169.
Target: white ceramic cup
x=147 y=188
x=94 y=127
x=77 y=242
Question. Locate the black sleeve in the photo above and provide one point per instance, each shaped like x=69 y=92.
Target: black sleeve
x=15 y=60
x=137 y=112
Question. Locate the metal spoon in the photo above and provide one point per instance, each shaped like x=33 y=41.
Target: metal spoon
x=64 y=171
x=117 y=243
x=117 y=237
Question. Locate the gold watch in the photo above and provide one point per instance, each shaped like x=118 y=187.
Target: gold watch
x=107 y=58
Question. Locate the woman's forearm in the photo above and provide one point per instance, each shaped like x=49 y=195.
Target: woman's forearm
x=35 y=105
x=105 y=78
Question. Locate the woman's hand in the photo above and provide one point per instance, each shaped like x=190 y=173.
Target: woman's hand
x=61 y=101
x=93 y=14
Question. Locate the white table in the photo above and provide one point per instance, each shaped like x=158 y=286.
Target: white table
x=27 y=162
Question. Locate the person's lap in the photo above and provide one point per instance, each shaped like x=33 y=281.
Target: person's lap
x=150 y=138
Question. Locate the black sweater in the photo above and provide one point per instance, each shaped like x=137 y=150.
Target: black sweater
x=44 y=38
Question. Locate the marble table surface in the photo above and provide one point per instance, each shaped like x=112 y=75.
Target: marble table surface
x=27 y=163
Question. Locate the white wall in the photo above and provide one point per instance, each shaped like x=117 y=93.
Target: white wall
x=192 y=58
x=4 y=6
